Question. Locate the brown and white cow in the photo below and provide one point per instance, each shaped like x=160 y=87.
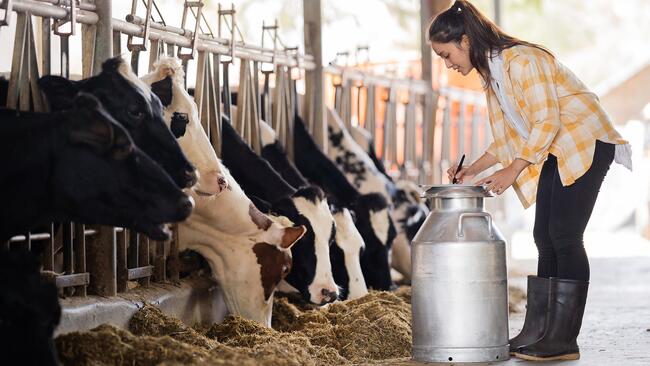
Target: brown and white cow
x=248 y=251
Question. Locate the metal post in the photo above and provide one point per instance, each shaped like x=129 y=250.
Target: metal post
x=101 y=251
x=314 y=46
x=104 y=35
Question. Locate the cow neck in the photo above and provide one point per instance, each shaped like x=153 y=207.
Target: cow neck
x=317 y=167
x=254 y=174
x=277 y=157
x=28 y=152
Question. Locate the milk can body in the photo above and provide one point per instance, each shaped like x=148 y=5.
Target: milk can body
x=459 y=283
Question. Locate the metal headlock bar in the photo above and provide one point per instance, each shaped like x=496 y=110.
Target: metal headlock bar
x=171 y=35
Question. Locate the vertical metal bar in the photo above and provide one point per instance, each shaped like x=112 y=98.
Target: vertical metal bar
x=143 y=258
x=65 y=56
x=215 y=127
x=117 y=44
x=68 y=265
x=101 y=253
x=46 y=46
x=154 y=53
x=122 y=269
x=173 y=261
x=32 y=67
x=227 y=102
x=170 y=50
x=88 y=33
x=135 y=60
x=159 y=262
x=460 y=127
x=198 y=85
x=80 y=255
x=132 y=254
x=446 y=137
x=16 y=64
x=312 y=10
x=104 y=34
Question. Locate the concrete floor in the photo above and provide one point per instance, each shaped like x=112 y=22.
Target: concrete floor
x=616 y=325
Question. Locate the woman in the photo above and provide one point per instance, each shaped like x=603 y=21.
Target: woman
x=555 y=144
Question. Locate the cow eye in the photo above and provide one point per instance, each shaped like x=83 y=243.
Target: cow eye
x=135 y=113
x=285 y=269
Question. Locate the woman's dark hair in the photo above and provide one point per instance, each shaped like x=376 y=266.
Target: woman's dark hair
x=463 y=18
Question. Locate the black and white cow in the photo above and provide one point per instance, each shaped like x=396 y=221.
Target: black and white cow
x=311 y=274
x=29 y=311
x=131 y=102
x=368 y=175
x=348 y=243
x=371 y=210
x=81 y=165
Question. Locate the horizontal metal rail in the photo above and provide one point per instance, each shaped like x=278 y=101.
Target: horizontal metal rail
x=172 y=35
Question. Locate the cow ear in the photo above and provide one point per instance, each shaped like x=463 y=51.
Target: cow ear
x=112 y=65
x=60 y=92
x=92 y=127
x=292 y=235
x=163 y=90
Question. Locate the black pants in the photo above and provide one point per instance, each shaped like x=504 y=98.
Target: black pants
x=562 y=214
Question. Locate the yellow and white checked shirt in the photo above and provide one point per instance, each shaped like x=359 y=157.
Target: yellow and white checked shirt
x=562 y=116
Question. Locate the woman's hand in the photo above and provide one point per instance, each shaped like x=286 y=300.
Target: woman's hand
x=500 y=180
x=464 y=173
x=504 y=178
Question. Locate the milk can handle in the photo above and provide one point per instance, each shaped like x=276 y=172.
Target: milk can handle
x=474 y=214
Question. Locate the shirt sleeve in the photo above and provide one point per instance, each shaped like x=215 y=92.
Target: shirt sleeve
x=543 y=111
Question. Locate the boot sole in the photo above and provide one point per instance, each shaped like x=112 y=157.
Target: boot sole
x=567 y=357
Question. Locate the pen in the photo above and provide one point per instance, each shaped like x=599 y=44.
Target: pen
x=460 y=165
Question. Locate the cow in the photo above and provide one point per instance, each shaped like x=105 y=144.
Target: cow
x=371 y=210
x=29 y=311
x=167 y=83
x=81 y=165
x=311 y=274
x=248 y=252
x=130 y=102
x=368 y=175
x=348 y=243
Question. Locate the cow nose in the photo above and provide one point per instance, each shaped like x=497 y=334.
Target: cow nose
x=191 y=177
x=185 y=206
x=328 y=296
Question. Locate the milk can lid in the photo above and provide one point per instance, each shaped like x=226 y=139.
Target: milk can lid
x=455 y=191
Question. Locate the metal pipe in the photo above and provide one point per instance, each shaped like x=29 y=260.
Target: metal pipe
x=40 y=9
x=158 y=32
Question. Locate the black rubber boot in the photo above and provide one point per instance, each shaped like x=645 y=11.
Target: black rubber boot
x=536 y=308
x=567 y=301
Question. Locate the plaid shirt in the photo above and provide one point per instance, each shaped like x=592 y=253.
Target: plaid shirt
x=564 y=119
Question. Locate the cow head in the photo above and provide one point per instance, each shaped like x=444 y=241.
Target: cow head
x=129 y=101
x=247 y=268
x=100 y=176
x=377 y=229
x=311 y=274
x=29 y=311
x=345 y=255
x=409 y=214
x=182 y=117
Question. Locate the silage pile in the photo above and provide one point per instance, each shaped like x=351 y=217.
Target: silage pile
x=373 y=328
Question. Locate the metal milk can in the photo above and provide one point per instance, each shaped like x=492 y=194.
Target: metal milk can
x=459 y=280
